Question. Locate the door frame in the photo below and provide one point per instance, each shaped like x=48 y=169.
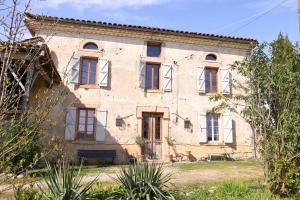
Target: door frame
x=155 y=145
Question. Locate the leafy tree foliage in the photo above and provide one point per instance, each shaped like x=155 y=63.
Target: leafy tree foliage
x=268 y=98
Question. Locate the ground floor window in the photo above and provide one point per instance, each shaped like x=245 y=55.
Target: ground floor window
x=212 y=127
x=86 y=123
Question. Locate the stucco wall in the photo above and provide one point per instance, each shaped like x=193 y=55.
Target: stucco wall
x=124 y=96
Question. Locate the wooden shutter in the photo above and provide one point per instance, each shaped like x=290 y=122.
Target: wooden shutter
x=200 y=79
x=202 y=130
x=70 y=123
x=225 y=81
x=167 y=77
x=75 y=67
x=227 y=123
x=101 y=124
x=103 y=76
x=142 y=73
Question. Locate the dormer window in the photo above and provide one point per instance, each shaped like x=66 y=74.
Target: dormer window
x=90 y=46
x=211 y=57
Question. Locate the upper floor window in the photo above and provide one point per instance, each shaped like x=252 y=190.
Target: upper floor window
x=88 y=71
x=211 y=57
x=152 y=76
x=86 y=123
x=153 y=49
x=211 y=80
x=212 y=127
x=91 y=46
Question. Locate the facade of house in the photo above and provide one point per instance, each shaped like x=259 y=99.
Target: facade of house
x=131 y=81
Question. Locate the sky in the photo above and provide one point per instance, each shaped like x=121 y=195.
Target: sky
x=242 y=18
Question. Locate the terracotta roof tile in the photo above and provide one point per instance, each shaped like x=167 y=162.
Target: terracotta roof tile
x=137 y=27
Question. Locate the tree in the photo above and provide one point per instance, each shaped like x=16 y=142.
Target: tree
x=268 y=98
x=22 y=63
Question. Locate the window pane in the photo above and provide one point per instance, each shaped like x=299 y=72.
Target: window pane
x=157 y=128
x=153 y=51
x=209 y=128
x=84 y=72
x=211 y=57
x=90 y=128
x=82 y=120
x=91 y=113
x=91 y=120
x=216 y=128
x=214 y=81
x=145 y=127
x=207 y=80
x=93 y=68
x=156 y=77
x=82 y=113
x=90 y=46
x=81 y=128
x=149 y=76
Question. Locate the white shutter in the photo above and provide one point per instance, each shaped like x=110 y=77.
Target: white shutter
x=74 y=73
x=70 y=123
x=225 y=81
x=101 y=124
x=227 y=123
x=200 y=79
x=167 y=77
x=142 y=73
x=202 y=130
x=103 y=75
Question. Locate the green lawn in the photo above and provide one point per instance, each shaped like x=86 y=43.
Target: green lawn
x=218 y=164
x=228 y=190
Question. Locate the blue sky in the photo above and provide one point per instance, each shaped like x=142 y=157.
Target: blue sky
x=209 y=16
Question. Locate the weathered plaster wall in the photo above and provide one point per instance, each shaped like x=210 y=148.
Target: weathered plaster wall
x=124 y=95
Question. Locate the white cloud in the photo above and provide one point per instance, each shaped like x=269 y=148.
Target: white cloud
x=102 y=4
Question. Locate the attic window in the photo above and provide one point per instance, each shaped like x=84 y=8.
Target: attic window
x=211 y=57
x=91 y=46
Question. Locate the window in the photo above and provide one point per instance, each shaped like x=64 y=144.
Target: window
x=153 y=49
x=211 y=80
x=88 y=71
x=91 y=46
x=152 y=76
x=211 y=57
x=86 y=123
x=212 y=127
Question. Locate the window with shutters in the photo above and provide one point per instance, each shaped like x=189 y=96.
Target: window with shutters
x=88 y=71
x=152 y=76
x=212 y=127
x=86 y=123
x=211 y=80
x=153 y=49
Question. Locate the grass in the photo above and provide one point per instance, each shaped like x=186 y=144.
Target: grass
x=218 y=164
x=228 y=190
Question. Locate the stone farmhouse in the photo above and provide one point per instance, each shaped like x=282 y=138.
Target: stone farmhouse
x=128 y=82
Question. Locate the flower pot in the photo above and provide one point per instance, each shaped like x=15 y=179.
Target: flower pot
x=142 y=158
x=168 y=157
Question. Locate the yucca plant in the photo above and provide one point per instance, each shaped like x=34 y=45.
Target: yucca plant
x=64 y=182
x=143 y=181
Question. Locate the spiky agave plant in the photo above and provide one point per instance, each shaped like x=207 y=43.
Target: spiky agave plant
x=143 y=181
x=64 y=182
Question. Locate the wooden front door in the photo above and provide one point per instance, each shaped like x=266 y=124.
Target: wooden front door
x=152 y=135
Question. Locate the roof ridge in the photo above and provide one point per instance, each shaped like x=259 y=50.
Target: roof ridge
x=130 y=26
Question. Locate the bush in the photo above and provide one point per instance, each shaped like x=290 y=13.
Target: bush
x=101 y=192
x=143 y=181
x=22 y=193
x=65 y=182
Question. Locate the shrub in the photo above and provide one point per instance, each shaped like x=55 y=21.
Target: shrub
x=22 y=193
x=101 y=192
x=65 y=183
x=143 y=181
